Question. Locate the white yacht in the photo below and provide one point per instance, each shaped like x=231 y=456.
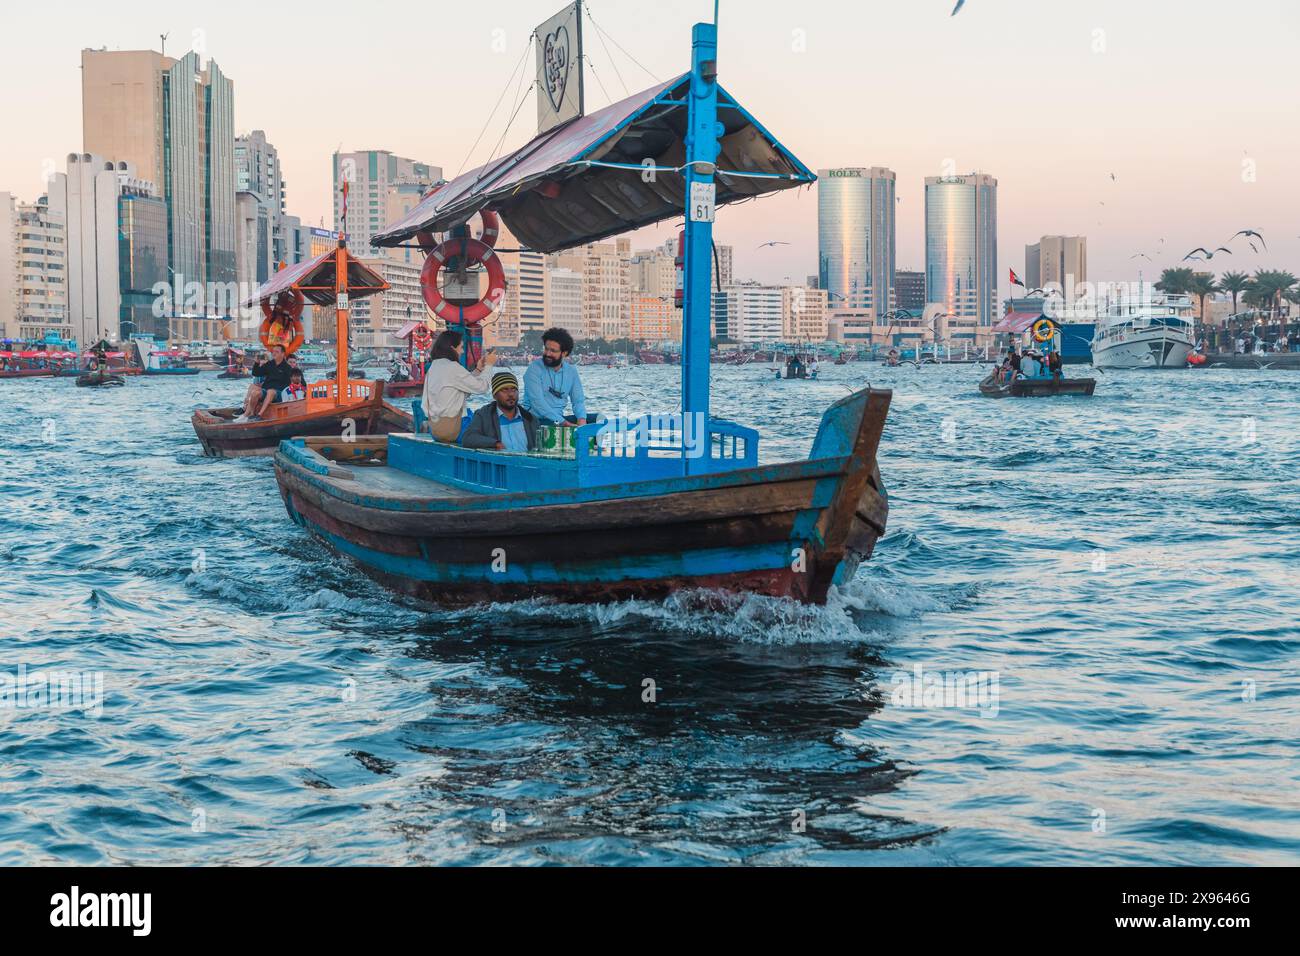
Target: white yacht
x=1154 y=332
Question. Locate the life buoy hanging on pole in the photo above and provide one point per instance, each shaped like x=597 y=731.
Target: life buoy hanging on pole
x=422 y=338
x=1043 y=330
x=491 y=230
x=472 y=252
x=282 y=324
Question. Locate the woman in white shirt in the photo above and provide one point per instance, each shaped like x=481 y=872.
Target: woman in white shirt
x=448 y=384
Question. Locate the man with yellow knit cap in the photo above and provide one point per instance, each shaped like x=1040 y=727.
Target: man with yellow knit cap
x=502 y=424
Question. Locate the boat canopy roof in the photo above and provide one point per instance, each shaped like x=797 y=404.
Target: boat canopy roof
x=1017 y=322
x=408 y=328
x=586 y=180
x=315 y=280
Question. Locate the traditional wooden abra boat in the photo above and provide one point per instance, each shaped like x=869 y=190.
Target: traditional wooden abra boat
x=356 y=407
x=1037 y=382
x=99 y=379
x=1038 y=386
x=643 y=506
x=418 y=339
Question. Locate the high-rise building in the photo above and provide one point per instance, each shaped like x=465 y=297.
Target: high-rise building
x=1059 y=260
x=565 y=301
x=374 y=319
x=749 y=313
x=724 y=268
x=855 y=238
x=258 y=173
x=909 y=290
x=33 y=270
x=961 y=245
x=606 y=270
x=116 y=231
x=803 y=314
x=524 y=309
x=173 y=121
x=653 y=319
x=85 y=197
x=141 y=259
x=371 y=174
x=654 y=271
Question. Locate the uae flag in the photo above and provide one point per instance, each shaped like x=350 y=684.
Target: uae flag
x=1015 y=279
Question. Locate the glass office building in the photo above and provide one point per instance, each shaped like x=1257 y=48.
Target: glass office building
x=855 y=238
x=141 y=262
x=961 y=245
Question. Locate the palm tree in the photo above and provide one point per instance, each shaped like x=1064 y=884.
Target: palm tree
x=1234 y=283
x=1175 y=281
x=1203 y=284
x=1273 y=286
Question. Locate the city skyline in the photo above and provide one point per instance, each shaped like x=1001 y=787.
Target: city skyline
x=1112 y=149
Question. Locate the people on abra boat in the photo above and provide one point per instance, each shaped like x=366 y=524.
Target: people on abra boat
x=551 y=383
x=447 y=384
x=270 y=378
x=1030 y=365
x=502 y=424
x=296 y=391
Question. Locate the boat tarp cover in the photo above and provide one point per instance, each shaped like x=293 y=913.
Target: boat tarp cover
x=1017 y=322
x=551 y=199
x=315 y=279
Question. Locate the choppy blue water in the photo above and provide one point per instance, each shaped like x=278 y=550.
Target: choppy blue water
x=1127 y=566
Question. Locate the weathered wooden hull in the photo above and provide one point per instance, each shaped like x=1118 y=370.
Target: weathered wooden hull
x=790 y=530
x=222 y=438
x=1037 y=387
x=403 y=389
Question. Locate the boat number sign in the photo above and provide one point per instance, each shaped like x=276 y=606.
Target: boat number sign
x=704 y=202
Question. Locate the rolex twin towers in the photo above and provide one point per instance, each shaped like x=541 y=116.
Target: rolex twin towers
x=856 y=211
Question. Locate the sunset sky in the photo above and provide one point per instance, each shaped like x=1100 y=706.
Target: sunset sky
x=1192 y=104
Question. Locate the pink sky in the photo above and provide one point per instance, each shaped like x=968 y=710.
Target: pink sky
x=1178 y=98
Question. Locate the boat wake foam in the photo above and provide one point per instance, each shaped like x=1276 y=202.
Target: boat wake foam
x=847 y=616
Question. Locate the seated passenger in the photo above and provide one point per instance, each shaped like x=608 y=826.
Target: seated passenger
x=296 y=391
x=1029 y=365
x=271 y=378
x=502 y=424
x=447 y=385
x=1054 y=364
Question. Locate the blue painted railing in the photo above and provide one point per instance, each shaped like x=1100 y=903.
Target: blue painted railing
x=608 y=452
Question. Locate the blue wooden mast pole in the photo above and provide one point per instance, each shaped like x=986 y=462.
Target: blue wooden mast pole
x=697 y=306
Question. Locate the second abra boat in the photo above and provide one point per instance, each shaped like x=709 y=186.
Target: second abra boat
x=353 y=407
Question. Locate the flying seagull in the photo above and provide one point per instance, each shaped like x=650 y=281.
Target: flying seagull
x=1208 y=253
x=960 y=4
x=1251 y=232
x=776 y=243
x=1112 y=177
x=1142 y=255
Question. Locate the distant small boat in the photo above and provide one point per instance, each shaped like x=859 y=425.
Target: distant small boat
x=99 y=380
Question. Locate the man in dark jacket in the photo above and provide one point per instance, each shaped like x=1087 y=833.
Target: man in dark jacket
x=502 y=424
x=271 y=377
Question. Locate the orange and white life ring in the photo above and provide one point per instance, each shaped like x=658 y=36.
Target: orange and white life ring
x=282 y=324
x=474 y=252
x=422 y=338
x=491 y=229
